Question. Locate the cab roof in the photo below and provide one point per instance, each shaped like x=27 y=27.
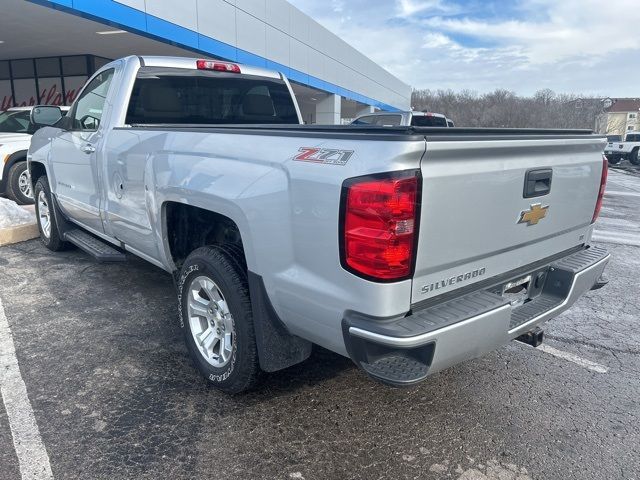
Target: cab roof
x=192 y=64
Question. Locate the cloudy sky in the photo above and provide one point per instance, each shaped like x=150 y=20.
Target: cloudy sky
x=573 y=46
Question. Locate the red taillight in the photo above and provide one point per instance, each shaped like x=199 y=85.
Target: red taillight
x=603 y=186
x=217 y=66
x=380 y=222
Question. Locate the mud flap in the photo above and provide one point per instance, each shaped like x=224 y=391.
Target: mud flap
x=277 y=348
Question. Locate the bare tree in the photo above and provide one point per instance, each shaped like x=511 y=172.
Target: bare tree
x=503 y=108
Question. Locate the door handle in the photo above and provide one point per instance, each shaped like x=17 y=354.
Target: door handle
x=537 y=183
x=88 y=148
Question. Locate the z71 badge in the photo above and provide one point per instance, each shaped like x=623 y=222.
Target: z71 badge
x=329 y=156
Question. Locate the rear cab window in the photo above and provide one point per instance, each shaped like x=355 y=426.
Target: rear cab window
x=182 y=96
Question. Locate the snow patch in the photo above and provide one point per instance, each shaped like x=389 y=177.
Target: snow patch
x=11 y=215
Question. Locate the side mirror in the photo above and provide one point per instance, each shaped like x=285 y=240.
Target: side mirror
x=45 y=115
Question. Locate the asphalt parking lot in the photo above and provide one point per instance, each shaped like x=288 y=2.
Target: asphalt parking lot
x=114 y=396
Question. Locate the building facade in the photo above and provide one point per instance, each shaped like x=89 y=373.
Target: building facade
x=332 y=80
x=620 y=116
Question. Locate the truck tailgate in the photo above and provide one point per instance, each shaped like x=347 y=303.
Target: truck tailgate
x=473 y=202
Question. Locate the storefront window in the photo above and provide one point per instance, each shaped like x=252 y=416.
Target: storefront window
x=51 y=91
x=48 y=67
x=22 y=68
x=4 y=71
x=74 y=65
x=25 y=92
x=6 y=95
x=50 y=81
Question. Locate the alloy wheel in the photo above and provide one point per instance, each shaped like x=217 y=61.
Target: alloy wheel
x=44 y=214
x=24 y=184
x=211 y=322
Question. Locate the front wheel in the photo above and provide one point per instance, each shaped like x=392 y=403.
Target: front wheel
x=45 y=216
x=216 y=316
x=633 y=157
x=19 y=184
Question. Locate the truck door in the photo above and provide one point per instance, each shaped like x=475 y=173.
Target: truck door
x=130 y=212
x=128 y=191
x=74 y=154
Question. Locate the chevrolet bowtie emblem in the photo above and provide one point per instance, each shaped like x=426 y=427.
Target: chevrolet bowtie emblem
x=532 y=216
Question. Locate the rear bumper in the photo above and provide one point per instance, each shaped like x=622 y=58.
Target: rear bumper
x=621 y=153
x=406 y=350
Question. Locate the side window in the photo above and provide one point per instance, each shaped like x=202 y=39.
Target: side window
x=388 y=120
x=22 y=119
x=87 y=112
x=364 y=121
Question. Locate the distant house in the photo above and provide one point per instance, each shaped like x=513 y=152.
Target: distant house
x=620 y=115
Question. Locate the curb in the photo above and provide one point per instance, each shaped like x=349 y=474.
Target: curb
x=20 y=233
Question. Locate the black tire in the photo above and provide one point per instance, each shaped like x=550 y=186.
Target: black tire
x=633 y=157
x=614 y=159
x=17 y=175
x=53 y=241
x=242 y=370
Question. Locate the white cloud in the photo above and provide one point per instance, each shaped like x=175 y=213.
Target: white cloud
x=407 y=8
x=337 y=5
x=582 y=46
x=575 y=29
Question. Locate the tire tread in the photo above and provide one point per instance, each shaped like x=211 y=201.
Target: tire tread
x=229 y=264
x=13 y=192
x=55 y=242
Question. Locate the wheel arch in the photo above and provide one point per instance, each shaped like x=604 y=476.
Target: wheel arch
x=36 y=170
x=11 y=160
x=186 y=227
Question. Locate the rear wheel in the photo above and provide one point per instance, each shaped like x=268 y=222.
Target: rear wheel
x=46 y=218
x=633 y=157
x=216 y=316
x=19 y=184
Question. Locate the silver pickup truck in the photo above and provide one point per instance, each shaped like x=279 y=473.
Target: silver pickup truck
x=407 y=249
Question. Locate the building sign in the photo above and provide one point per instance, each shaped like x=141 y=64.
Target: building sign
x=51 y=92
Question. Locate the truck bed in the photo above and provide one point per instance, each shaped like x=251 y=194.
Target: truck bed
x=380 y=133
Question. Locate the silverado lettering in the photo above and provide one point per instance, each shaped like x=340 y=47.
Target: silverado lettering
x=453 y=280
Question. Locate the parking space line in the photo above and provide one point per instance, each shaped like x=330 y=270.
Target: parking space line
x=614 y=193
x=621 y=238
x=583 y=362
x=30 y=450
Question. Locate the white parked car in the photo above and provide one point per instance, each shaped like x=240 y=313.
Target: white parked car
x=15 y=137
